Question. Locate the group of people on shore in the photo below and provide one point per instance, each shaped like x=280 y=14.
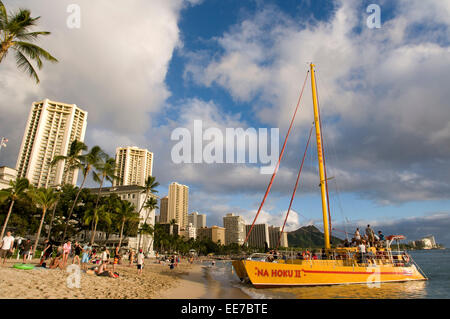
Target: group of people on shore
x=82 y=254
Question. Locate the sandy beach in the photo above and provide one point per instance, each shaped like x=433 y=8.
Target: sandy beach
x=155 y=282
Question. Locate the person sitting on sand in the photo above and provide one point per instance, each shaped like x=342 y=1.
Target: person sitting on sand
x=56 y=262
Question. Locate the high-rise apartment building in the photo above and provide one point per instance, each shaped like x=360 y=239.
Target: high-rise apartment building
x=259 y=236
x=178 y=204
x=197 y=220
x=215 y=233
x=164 y=210
x=51 y=128
x=235 y=229
x=274 y=236
x=133 y=166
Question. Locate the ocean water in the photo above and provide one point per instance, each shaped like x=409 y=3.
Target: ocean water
x=435 y=264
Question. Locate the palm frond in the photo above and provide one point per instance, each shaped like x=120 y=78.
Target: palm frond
x=34 y=52
x=31 y=35
x=25 y=65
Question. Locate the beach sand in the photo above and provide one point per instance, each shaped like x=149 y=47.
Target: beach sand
x=41 y=283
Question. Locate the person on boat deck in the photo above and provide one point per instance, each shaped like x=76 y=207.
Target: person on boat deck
x=380 y=235
x=362 y=250
x=346 y=243
x=314 y=256
x=370 y=235
x=357 y=236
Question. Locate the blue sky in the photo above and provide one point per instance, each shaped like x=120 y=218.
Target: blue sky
x=153 y=66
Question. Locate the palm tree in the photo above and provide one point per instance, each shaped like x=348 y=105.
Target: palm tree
x=14 y=32
x=149 y=187
x=44 y=198
x=96 y=215
x=151 y=204
x=72 y=159
x=125 y=211
x=88 y=161
x=105 y=171
x=18 y=188
x=148 y=229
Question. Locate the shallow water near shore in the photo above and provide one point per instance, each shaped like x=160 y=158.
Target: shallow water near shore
x=435 y=264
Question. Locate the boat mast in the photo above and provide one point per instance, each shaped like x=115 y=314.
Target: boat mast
x=320 y=159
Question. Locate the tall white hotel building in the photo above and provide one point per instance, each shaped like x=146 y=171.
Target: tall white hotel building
x=133 y=166
x=51 y=128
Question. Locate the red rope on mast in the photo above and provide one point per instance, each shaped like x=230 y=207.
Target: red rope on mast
x=295 y=187
x=279 y=160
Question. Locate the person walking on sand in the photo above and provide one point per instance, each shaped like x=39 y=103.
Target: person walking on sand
x=7 y=247
x=105 y=257
x=140 y=261
x=131 y=257
x=67 y=248
x=77 y=253
x=116 y=258
x=85 y=256
x=25 y=249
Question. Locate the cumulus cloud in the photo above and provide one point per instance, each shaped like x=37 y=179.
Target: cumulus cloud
x=382 y=92
x=114 y=66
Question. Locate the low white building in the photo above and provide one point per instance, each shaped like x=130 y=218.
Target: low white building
x=7 y=174
x=135 y=195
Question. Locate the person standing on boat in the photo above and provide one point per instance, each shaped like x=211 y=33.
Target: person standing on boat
x=370 y=235
x=362 y=250
x=357 y=236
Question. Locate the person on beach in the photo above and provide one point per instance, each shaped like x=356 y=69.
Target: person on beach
x=85 y=256
x=7 y=247
x=105 y=257
x=140 y=261
x=47 y=252
x=67 y=248
x=77 y=253
x=25 y=249
x=131 y=257
x=116 y=258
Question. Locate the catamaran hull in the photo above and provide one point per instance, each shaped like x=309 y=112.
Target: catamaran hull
x=320 y=272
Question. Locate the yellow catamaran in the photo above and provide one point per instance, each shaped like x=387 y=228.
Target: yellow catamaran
x=346 y=265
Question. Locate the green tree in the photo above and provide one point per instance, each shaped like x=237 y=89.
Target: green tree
x=15 y=31
x=96 y=215
x=150 y=205
x=125 y=212
x=72 y=159
x=18 y=189
x=149 y=188
x=44 y=198
x=92 y=159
